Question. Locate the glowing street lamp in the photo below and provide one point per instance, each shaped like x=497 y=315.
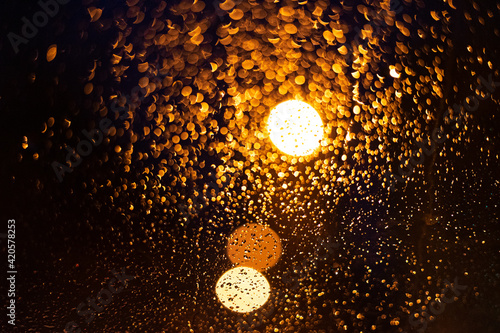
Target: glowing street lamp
x=242 y=289
x=295 y=128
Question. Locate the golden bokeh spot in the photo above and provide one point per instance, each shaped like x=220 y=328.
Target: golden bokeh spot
x=51 y=52
x=242 y=289
x=254 y=245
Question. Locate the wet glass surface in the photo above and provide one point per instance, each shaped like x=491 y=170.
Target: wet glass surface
x=141 y=162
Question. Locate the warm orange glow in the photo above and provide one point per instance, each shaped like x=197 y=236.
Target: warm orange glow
x=295 y=128
x=242 y=289
x=255 y=246
x=394 y=73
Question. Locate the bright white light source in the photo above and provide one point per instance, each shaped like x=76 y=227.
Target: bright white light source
x=242 y=289
x=295 y=128
x=394 y=73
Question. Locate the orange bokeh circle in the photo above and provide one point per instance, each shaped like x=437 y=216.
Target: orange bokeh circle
x=254 y=245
